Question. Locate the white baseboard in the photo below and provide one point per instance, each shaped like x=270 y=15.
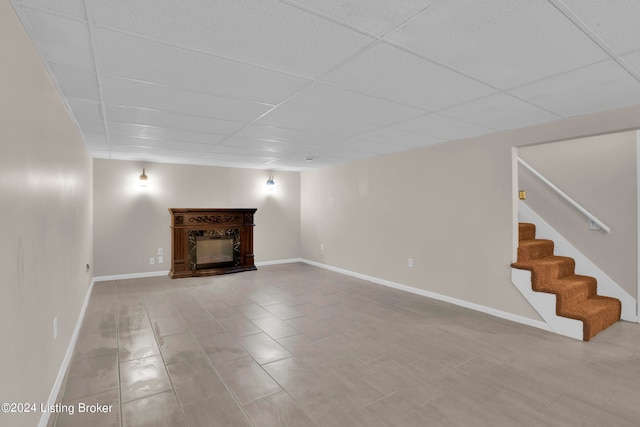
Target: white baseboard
x=131 y=276
x=278 y=261
x=166 y=272
x=44 y=419
x=466 y=304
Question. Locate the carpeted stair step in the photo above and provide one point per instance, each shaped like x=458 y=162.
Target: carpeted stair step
x=546 y=269
x=571 y=290
x=534 y=248
x=597 y=313
x=576 y=295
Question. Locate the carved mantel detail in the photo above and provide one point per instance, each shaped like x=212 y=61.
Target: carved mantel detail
x=217 y=219
x=210 y=222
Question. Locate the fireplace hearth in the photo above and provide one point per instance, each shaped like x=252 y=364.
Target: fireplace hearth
x=208 y=242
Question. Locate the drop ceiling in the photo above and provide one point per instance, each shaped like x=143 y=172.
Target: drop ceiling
x=270 y=84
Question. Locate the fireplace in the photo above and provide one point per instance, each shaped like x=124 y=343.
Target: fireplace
x=214 y=248
x=211 y=241
x=213 y=251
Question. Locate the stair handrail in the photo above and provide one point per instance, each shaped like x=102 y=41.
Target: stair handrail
x=592 y=218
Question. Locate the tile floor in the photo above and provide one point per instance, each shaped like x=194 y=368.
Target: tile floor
x=294 y=345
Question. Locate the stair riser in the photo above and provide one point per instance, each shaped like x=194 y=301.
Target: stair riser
x=600 y=323
x=526 y=231
x=552 y=272
x=535 y=249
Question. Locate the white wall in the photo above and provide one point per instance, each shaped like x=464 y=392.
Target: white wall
x=449 y=207
x=600 y=174
x=45 y=188
x=131 y=223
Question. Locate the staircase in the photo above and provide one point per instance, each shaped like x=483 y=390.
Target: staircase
x=576 y=296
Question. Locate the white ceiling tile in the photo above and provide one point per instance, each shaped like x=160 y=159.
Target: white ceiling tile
x=150 y=117
x=442 y=127
x=300 y=164
x=503 y=42
x=594 y=88
x=85 y=108
x=265 y=146
x=402 y=77
x=322 y=158
x=61 y=40
x=73 y=8
x=151 y=150
x=247 y=152
x=77 y=82
x=166 y=134
x=289 y=39
x=91 y=125
x=374 y=16
x=500 y=112
x=138 y=94
x=132 y=141
x=368 y=146
x=236 y=156
x=96 y=140
x=349 y=106
x=273 y=133
x=150 y=155
x=633 y=60
x=230 y=162
x=323 y=123
x=617 y=23
x=141 y=59
x=337 y=152
x=399 y=138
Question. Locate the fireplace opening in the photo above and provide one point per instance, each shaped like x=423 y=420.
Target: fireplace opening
x=215 y=248
x=214 y=251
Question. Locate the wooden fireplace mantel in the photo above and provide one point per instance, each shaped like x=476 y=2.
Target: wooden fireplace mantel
x=188 y=224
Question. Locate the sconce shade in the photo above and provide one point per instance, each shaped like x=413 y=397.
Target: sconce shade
x=271 y=184
x=144 y=179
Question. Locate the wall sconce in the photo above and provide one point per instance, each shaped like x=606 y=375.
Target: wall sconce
x=144 y=179
x=271 y=184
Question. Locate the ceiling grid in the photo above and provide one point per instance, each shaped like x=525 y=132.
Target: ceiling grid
x=267 y=83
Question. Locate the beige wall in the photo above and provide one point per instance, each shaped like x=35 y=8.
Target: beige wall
x=45 y=188
x=600 y=174
x=449 y=207
x=131 y=223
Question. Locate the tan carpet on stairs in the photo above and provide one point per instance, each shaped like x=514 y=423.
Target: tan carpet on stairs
x=576 y=296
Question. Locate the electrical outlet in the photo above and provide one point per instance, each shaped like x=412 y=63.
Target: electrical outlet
x=322 y=246
x=152 y=260
x=410 y=262
x=55 y=328
x=160 y=259
x=160 y=252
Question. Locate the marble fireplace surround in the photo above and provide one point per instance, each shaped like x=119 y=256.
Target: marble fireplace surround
x=187 y=224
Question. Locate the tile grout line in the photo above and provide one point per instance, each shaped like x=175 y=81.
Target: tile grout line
x=164 y=365
x=117 y=307
x=246 y=416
